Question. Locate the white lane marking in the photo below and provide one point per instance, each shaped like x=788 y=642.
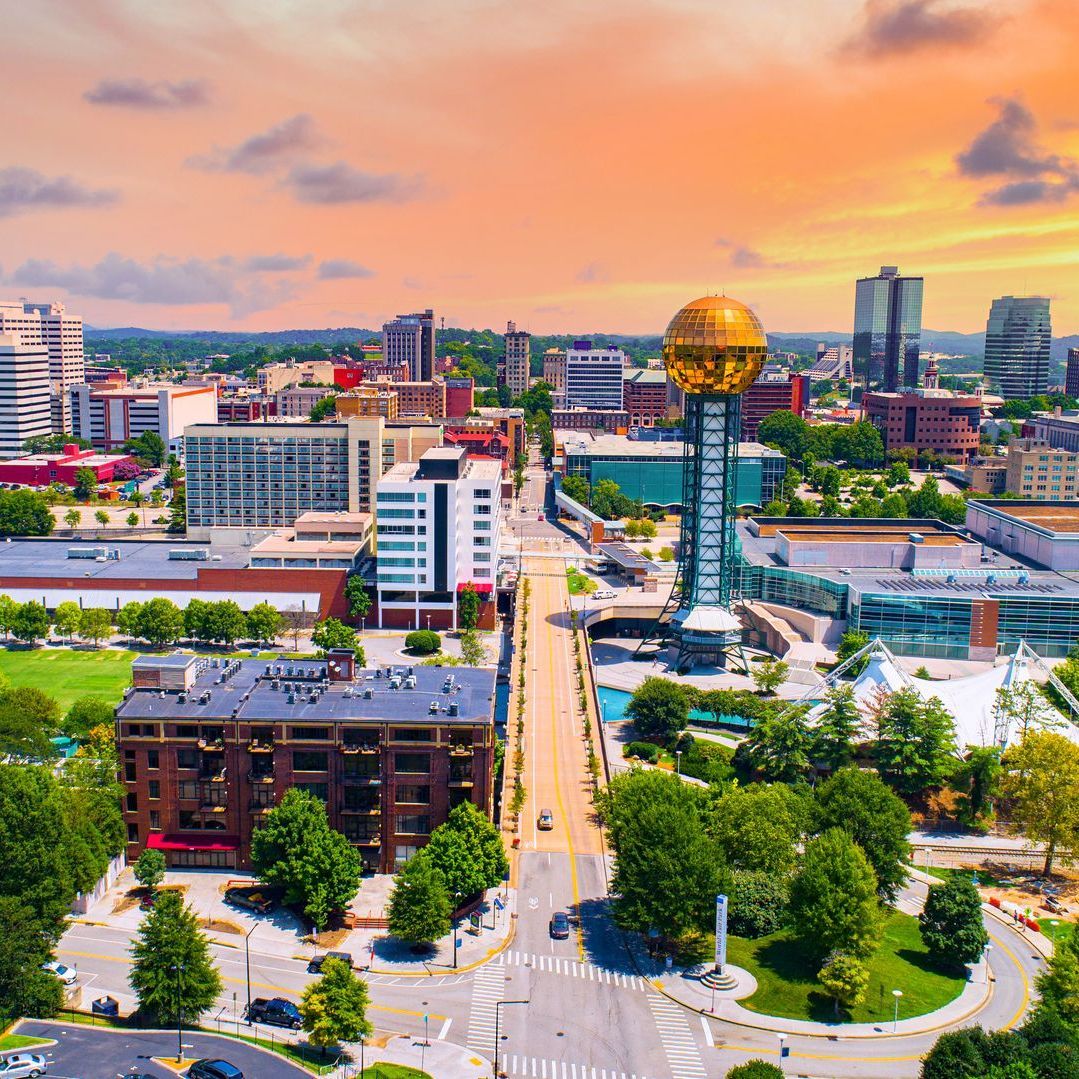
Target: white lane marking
x=444 y=1031
x=707 y=1032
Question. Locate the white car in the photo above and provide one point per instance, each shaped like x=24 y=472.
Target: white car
x=603 y=593
x=66 y=974
x=20 y=1065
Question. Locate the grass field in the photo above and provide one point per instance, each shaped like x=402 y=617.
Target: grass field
x=392 y=1071
x=66 y=674
x=787 y=983
x=17 y=1041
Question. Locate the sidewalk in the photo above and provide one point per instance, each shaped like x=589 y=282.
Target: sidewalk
x=441 y=1059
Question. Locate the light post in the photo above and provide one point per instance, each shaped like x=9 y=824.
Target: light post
x=428 y=623
x=247 y=966
x=677 y=762
x=985 y=959
x=177 y=969
x=897 y=993
x=1054 y=922
x=456 y=897
x=782 y=1048
x=502 y=1004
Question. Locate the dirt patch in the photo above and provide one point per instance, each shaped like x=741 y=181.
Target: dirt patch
x=329 y=938
x=219 y=925
x=134 y=896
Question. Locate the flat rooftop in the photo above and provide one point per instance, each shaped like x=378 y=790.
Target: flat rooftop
x=147 y=559
x=248 y=695
x=600 y=444
x=929 y=539
x=1056 y=517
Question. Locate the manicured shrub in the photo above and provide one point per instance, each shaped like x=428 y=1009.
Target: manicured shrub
x=423 y=642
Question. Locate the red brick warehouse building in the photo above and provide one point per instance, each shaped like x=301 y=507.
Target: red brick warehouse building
x=938 y=420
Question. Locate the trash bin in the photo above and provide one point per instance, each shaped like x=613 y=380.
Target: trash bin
x=105 y=1006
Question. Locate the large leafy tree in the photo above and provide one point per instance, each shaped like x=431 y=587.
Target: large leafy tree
x=785 y=431
x=834 y=898
x=333 y=633
x=148 y=447
x=28 y=719
x=264 y=622
x=334 y=1008
x=951 y=922
x=225 y=622
x=67 y=618
x=171 y=966
x=926 y=501
x=1041 y=784
x=86 y=713
x=837 y=729
x=845 y=979
x=915 y=746
x=160 y=621
x=779 y=746
x=127 y=618
x=419 y=909
x=297 y=850
x=658 y=708
x=874 y=817
x=467 y=850
x=24 y=513
x=468 y=607
x=860 y=443
x=758 y=827
x=359 y=599
x=31 y=621
x=96 y=623
x=26 y=942
x=667 y=873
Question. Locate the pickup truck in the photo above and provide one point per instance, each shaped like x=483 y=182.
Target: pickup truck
x=276 y=1012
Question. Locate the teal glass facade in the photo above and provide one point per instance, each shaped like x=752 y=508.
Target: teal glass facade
x=1049 y=626
x=803 y=590
x=937 y=627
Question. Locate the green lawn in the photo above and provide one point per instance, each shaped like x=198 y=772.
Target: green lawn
x=18 y=1041
x=787 y=983
x=578 y=582
x=1058 y=933
x=392 y=1071
x=66 y=674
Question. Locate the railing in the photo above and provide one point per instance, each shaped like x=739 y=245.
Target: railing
x=260 y=777
x=256 y=746
x=367 y=748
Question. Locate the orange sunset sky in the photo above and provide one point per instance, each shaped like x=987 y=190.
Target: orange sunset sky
x=575 y=165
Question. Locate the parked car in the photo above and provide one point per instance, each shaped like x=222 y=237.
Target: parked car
x=20 y=1065
x=559 y=926
x=214 y=1069
x=315 y=966
x=603 y=593
x=276 y=1011
x=66 y=974
x=545 y=821
x=260 y=900
x=539 y=517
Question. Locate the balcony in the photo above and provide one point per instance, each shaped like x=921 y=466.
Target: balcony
x=258 y=809
x=368 y=841
x=212 y=807
x=260 y=745
x=260 y=777
x=365 y=748
x=461 y=779
x=462 y=750
x=215 y=774
x=212 y=745
x=362 y=810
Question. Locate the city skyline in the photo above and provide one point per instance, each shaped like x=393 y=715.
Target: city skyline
x=198 y=169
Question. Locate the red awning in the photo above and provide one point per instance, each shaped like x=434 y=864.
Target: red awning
x=482 y=588
x=157 y=841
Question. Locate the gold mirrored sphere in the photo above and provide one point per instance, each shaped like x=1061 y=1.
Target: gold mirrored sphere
x=714 y=345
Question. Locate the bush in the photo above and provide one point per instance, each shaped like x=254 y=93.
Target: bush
x=645 y=750
x=755 y=1069
x=758 y=903
x=423 y=642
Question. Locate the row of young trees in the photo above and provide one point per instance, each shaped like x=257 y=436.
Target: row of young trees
x=924 y=502
x=159 y=622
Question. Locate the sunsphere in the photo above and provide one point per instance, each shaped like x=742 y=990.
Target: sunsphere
x=714 y=345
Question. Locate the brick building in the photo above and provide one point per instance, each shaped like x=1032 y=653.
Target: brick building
x=939 y=420
x=644 y=397
x=460 y=397
x=209 y=747
x=768 y=395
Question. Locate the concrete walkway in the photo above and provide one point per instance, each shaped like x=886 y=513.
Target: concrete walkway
x=441 y=1059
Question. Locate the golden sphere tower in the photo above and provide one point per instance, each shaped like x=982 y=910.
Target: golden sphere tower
x=713 y=350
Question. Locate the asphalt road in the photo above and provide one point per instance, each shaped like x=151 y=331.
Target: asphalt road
x=85 y=1053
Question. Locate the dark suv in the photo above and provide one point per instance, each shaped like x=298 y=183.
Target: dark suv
x=214 y=1069
x=315 y=965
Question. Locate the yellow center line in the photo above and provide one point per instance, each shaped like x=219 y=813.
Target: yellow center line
x=254 y=985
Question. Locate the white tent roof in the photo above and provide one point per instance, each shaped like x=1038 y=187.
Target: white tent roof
x=971 y=700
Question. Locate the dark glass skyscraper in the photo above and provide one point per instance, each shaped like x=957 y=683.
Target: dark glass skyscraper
x=1017 y=338
x=887 y=330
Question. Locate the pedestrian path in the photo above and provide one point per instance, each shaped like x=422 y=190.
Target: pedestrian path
x=554 y=964
x=488 y=988
x=674 y=1034
x=543 y=1068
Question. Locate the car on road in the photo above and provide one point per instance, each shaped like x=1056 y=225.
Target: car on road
x=214 y=1069
x=603 y=593
x=276 y=1011
x=315 y=966
x=559 y=925
x=20 y=1065
x=540 y=517
x=545 y=821
x=66 y=974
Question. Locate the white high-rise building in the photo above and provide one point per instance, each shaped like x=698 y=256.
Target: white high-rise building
x=61 y=334
x=438 y=524
x=518 y=357
x=594 y=376
x=24 y=380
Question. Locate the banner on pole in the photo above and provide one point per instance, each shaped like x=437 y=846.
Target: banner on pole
x=721 y=932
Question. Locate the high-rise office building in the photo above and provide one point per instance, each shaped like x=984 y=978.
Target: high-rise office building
x=1071 y=375
x=24 y=389
x=518 y=353
x=1017 y=338
x=594 y=376
x=62 y=334
x=411 y=339
x=887 y=330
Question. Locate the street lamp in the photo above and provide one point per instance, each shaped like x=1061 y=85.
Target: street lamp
x=247 y=966
x=985 y=958
x=1054 y=922
x=782 y=1048
x=677 y=762
x=177 y=969
x=456 y=897
x=500 y=1004
x=897 y=993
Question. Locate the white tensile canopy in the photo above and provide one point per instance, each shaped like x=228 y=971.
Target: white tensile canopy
x=972 y=700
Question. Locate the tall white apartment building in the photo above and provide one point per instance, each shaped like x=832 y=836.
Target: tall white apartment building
x=594 y=376
x=518 y=357
x=24 y=383
x=61 y=334
x=438 y=525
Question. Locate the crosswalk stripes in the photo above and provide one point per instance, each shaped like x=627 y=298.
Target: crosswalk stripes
x=676 y=1038
x=542 y=1068
x=488 y=987
x=553 y=964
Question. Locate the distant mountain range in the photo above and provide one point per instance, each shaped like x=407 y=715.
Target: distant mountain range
x=960 y=344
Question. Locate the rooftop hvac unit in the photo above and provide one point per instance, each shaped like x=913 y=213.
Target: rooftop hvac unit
x=93 y=553
x=432 y=709
x=368 y=694
x=189 y=554
x=454 y=709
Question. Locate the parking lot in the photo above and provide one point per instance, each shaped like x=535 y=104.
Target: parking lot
x=83 y=1052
